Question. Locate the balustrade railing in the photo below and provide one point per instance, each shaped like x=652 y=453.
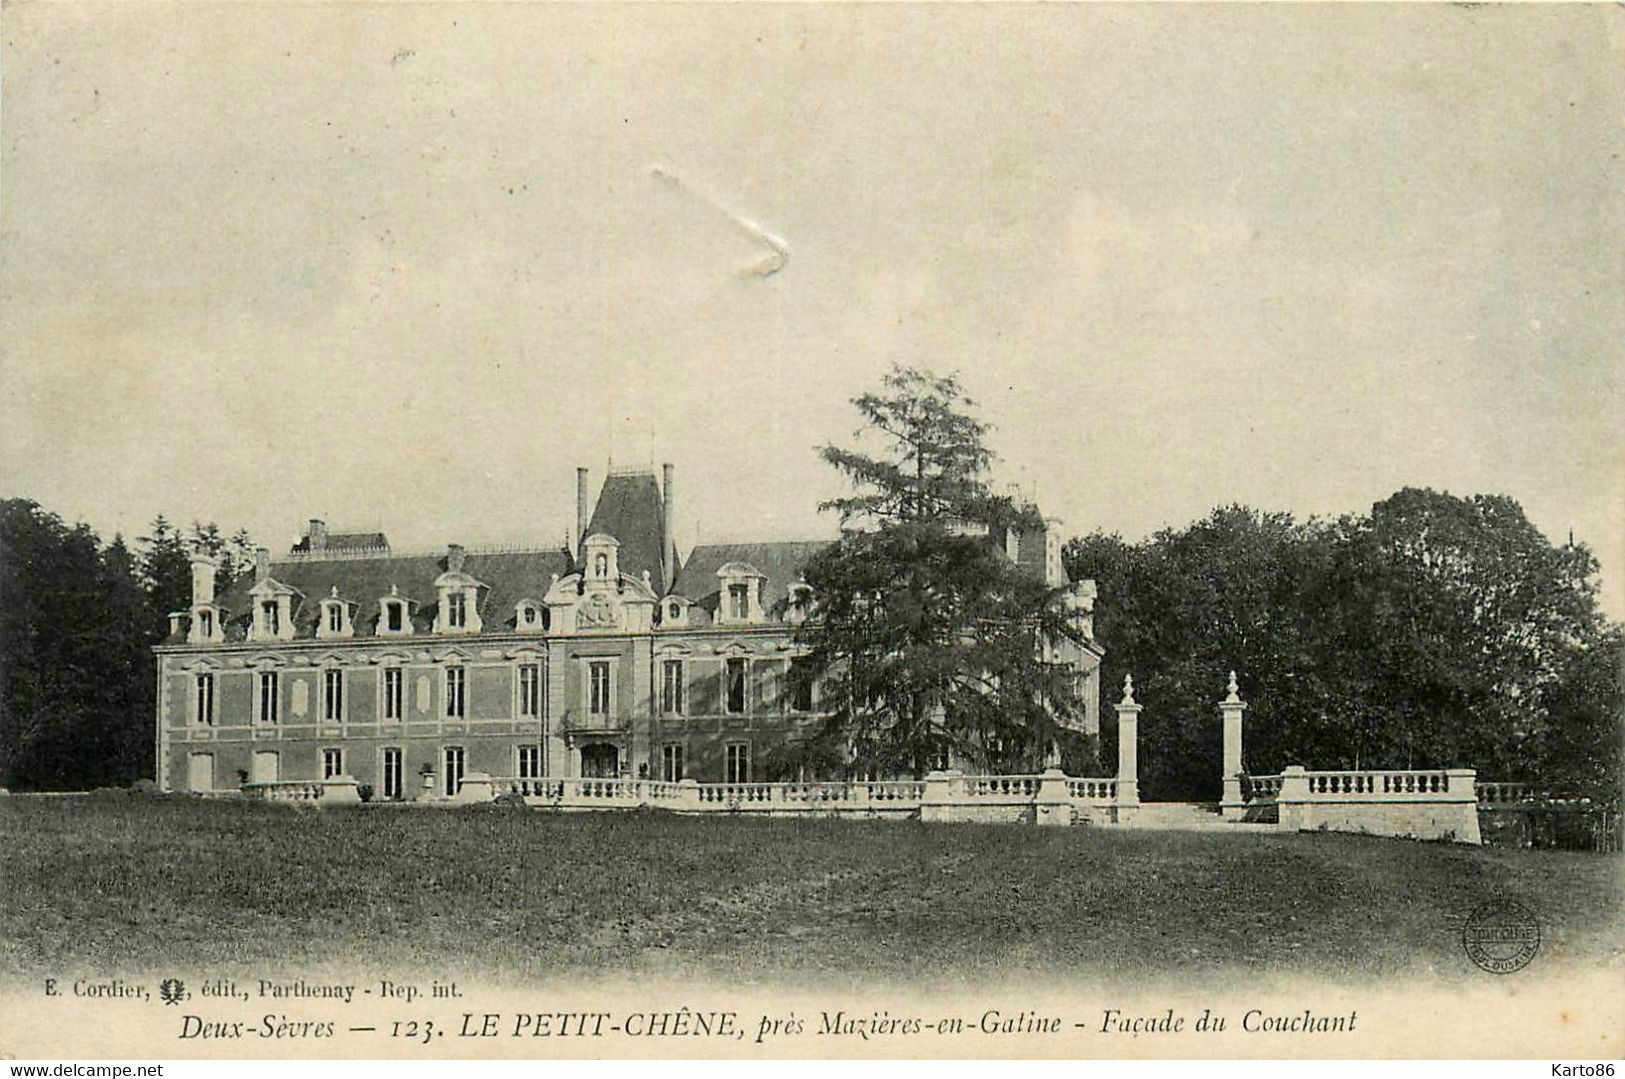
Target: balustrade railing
x=1492 y=793
x=1260 y=788
x=805 y=796
x=293 y=790
x=1000 y=787
x=1092 y=790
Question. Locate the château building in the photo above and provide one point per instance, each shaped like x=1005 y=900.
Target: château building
x=611 y=656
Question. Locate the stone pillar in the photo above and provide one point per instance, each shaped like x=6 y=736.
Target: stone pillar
x=476 y=789
x=340 y=790
x=1293 y=802
x=1053 y=805
x=1128 y=752
x=936 y=800
x=1231 y=805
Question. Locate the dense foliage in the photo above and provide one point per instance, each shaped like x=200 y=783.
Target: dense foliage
x=925 y=639
x=78 y=620
x=1433 y=631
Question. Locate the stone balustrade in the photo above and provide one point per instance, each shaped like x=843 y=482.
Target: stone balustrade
x=340 y=790
x=1364 y=785
x=1050 y=798
x=1418 y=804
x=998 y=788
x=1097 y=791
x=1491 y=793
x=1260 y=788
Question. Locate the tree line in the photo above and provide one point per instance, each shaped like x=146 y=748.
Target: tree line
x=78 y=619
x=1434 y=631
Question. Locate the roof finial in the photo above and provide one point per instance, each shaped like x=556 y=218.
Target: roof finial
x=1234 y=691
x=1128 y=689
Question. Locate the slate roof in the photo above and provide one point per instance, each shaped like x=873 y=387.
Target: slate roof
x=630 y=509
x=348 y=541
x=781 y=562
x=509 y=576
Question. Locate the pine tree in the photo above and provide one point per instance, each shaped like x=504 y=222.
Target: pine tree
x=924 y=637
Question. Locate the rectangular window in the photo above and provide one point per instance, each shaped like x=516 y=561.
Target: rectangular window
x=394 y=693
x=598 y=688
x=335 y=618
x=205 y=699
x=395 y=616
x=801 y=685
x=770 y=686
x=454 y=693
x=333 y=696
x=268 y=697
x=733 y=688
x=452 y=777
x=392 y=773
x=530 y=762
x=269 y=615
x=205 y=623
x=671 y=762
x=456 y=610
x=738 y=762
x=332 y=763
x=738 y=601
x=530 y=689
x=671 y=687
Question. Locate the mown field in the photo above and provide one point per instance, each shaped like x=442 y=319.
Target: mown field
x=121 y=884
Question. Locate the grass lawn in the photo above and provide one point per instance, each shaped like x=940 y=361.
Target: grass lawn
x=118 y=884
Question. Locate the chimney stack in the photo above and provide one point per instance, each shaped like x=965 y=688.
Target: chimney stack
x=262 y=564
x=581 y=509
x=317 y=536
x=454 y=557
x=203 y=567
x=668 y=531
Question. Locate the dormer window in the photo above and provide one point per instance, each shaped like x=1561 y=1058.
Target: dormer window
x=799 y=604
x=394 y=615
x=529 y=617
x=601 y=553
x=205 y=624
x=335 y=617
x=739 y=587
x=459 y=596
x=673 y=613
x=273 y=603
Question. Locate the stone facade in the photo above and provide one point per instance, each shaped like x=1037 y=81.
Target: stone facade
x=416 y=673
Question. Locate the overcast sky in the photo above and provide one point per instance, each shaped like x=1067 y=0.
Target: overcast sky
x=406 y=267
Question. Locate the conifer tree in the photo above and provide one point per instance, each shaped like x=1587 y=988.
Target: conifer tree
x=924 y=638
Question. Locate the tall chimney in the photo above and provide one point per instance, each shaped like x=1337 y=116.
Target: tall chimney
x=668 y=531
x=318 y=535
x=581 y=508
x=262 y=564
x=203 y=567
x=454 y=557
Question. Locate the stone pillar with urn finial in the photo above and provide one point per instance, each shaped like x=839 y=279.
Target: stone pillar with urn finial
x=1128 y=756
x=1232 y=805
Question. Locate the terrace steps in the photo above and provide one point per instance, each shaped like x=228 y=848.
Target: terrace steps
x=1187 y=817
